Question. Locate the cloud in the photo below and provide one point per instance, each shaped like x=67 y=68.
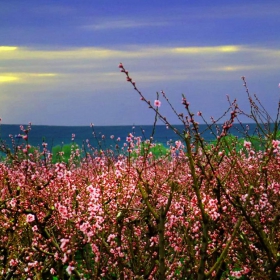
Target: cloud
x=8 y=79
x=205 y=50
x=94 y=53
x=124 y=24
x=23 y=53
x=30 y=78
x=42 y=74
x=7 y=48
x=80 y=67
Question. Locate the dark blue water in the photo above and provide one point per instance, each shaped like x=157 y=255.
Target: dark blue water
x=58 y=135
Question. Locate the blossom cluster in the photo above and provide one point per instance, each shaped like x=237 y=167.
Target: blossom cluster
x=105 y=216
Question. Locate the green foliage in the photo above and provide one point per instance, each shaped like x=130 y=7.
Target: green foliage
x=257 y=143
x=230 y=143
x=157 y=150
x=227 y=143
x=62 y=153
x=19 y=153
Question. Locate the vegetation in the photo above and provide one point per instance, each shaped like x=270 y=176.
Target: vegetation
x=62 y=153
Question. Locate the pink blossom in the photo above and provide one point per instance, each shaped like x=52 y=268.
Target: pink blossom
x=178 y=144
x=52 y=271
x=30 y=218
x=111 y=237
x=275 y=143
x=13 y=203
x=91 y=189
x=62 y=210
x=118 y=173
x=69 y=269
x=64 y=242
x=13 y=262
x=247 y=144
x=236 y=274
x=84 y=227
x=65 y=258
x=35 y=228
x=157 y=103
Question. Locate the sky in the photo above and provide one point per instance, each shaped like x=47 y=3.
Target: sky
x=59 y=59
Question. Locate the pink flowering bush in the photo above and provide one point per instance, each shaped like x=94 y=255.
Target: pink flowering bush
x=198 y=211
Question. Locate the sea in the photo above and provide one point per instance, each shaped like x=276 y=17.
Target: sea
x=105 y=136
